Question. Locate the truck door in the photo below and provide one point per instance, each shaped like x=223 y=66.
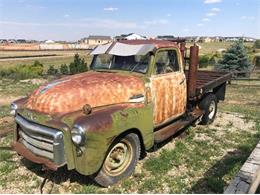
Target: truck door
x=168 y=86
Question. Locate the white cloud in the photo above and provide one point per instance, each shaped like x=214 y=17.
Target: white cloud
x=156 y=22
x=247 y=17
x=200 y=24
x=215 y=9
x=168 y=15
x=206 y=19
x=211 y=14
x=212 y=1
x=66 y=16
x=111 y=9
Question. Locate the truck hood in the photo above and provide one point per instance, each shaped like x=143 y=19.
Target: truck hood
x=94 y=88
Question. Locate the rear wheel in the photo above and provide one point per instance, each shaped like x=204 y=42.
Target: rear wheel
x=120 y=161
x=209 y=106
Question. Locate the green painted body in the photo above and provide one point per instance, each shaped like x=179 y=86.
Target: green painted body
x=103 y=126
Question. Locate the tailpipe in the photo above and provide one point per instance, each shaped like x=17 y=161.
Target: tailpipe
x=193 y=69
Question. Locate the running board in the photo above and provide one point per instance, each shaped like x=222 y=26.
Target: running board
x=170 y=130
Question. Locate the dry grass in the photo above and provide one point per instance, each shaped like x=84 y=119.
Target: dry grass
x=62 y=57
x=210 y=48
x=199 y=160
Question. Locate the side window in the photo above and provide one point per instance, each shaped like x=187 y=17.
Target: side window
x=166 y=62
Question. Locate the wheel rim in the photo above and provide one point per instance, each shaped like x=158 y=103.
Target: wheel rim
x=119 y=158
x=212 y=109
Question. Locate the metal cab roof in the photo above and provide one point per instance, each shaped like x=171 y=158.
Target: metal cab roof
x=123 y=49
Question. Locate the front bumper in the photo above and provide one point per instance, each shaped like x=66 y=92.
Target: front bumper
x=23 y=151
x=39 y=143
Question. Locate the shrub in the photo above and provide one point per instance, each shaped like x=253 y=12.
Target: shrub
x=235 y=59
x=23 y=71
x=52 y=70
x=257 y=44
x=204 y=61
x=64 y=69
x=208 y=60
x=78 y=65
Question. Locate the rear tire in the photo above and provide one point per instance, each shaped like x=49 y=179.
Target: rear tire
x=210 y=105
x=120 y=161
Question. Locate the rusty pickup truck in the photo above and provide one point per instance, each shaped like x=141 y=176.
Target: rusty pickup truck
x=137 y=94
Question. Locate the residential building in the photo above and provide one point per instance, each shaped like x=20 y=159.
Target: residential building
x=131 y=36
x=93 y=40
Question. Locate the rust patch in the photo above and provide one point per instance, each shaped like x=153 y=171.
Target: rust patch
x=23 y=151
x=169 y=96
x=101 y=119
x=96 y=89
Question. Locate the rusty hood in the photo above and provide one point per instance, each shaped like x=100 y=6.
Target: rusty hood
x=94 y=88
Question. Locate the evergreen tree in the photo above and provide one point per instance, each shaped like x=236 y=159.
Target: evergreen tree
x=235 y=59
x=52 y=70
x=64 y=69
x=78 y=65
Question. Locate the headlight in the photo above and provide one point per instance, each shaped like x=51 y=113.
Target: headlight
x=13 y=108
x=78 y=135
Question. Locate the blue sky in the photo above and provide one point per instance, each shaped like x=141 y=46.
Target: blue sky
x=74 y=19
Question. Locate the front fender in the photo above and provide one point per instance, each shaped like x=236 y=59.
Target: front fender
x=104 y=125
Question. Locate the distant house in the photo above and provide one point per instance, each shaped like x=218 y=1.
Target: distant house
x=246 y=39
x=231 y=39
x=12 y=41
x=166 y=37
x=96 y=40
x=249 y=39
x=205 y=40
x=192 y=39
x=21 y=41
x=3 y=41
x=49 y=42
x=131 y=36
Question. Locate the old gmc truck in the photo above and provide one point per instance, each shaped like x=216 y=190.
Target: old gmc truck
x=136 y=95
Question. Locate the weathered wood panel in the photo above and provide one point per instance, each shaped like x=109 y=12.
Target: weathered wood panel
x=248 y=178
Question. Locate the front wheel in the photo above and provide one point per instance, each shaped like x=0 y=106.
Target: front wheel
x=210 y=106
x=120 y=161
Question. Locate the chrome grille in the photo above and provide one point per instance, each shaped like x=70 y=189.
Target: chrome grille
x=42 y=141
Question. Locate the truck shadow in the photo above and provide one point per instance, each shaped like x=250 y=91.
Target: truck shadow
x=58 y=177
x=215 y=179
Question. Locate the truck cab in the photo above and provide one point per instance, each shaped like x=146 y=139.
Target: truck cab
x=136 y=95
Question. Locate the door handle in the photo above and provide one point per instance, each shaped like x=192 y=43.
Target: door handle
x=182 y=82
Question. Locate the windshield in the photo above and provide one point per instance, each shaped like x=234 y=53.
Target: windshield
x=134 y=63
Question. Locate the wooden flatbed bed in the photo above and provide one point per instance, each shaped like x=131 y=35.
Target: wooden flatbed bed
x=209 y=80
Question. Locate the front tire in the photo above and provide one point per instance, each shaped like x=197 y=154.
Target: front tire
x=120 y=161
x=210 y=106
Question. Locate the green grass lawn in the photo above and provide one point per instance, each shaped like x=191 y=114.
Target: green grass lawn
x=202 y=159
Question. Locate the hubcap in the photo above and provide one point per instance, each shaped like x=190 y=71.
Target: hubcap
x=212 y=109
x=119 y=158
